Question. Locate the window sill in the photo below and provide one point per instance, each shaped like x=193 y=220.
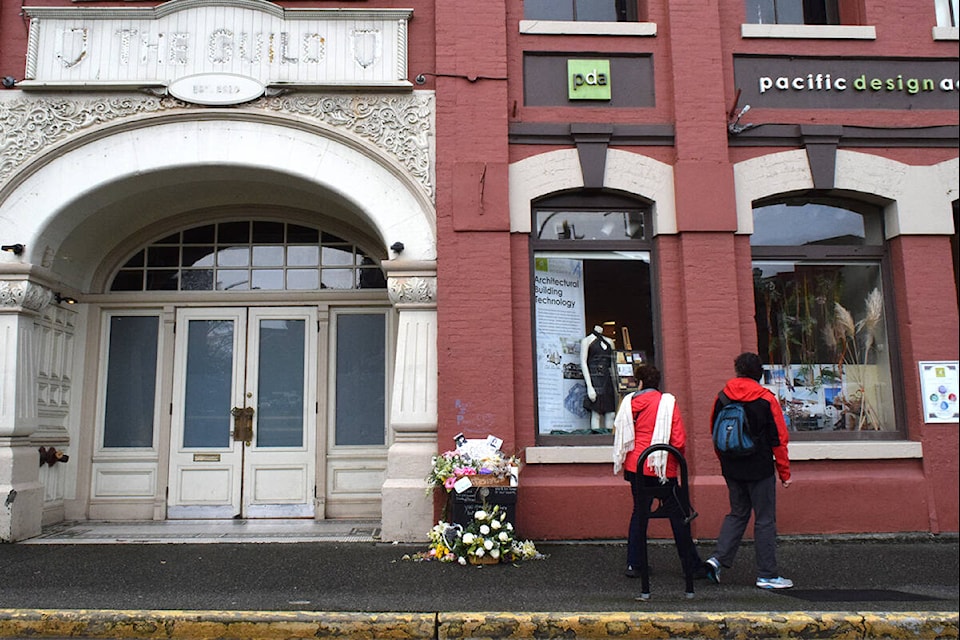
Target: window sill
x=556 y=27
x=859 y=450
x=812 y=31
x=946 y=33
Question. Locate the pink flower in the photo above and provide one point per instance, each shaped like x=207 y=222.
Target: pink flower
x=449 y=482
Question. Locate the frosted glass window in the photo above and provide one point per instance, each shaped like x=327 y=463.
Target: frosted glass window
x=209 y=379
x=281 y=383
x=131 y=382
x=361 y=379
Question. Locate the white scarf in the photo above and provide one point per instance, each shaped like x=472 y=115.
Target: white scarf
x=657 y=461
x=623 y=432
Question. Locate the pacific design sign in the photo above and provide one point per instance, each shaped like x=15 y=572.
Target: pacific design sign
x=208 y=50
x=847 y=83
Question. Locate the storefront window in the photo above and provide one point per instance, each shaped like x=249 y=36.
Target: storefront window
x=821 y=314
x=591 y=271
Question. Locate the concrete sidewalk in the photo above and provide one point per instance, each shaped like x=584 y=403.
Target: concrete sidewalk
x=852 y=587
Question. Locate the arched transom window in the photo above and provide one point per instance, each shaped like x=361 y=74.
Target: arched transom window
x=249 y=255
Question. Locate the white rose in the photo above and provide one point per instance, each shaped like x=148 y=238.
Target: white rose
x=503 y=536
x=468 y=538
x=462 y=560
x=479 y=552
x=495 y=524
x=488 y=544
x=495 y=553
x=484 y=529
x=480 y=515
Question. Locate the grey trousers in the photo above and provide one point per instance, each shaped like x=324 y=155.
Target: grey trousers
x=760 y=499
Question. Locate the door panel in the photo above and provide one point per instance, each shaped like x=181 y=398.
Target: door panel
x=357 y=442
x=206 y=463
x=236 y=364
x=280 y=469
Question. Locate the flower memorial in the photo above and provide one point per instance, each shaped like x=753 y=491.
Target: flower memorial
x=488 y=539
x=450 y=466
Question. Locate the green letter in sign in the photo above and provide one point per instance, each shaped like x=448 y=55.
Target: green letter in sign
x=588 y=79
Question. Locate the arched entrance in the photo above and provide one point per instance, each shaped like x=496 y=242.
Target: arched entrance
x=128 y=185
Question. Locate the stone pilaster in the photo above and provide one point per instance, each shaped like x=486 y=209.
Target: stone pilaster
x=21 y=493
x=407 y=511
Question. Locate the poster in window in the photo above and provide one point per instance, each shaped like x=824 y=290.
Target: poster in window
x=939 y=384
x=558 y=304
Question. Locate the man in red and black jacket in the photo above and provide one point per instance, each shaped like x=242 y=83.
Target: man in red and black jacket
x=751 y=479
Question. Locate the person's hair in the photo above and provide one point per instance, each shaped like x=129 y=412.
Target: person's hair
x=748 y=365
x=648 y=374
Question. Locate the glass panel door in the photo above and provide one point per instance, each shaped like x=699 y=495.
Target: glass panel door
x=244 y=417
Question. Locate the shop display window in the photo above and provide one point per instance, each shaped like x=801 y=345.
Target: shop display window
x=822 y=317
x=591 y=269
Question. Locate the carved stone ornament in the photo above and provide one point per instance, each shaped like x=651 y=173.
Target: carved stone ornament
x=20 y=294
x=398 y=124
x=412 y=290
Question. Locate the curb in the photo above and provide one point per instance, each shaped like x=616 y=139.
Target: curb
x=290 y=625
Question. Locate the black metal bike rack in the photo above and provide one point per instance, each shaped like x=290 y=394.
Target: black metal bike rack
x=661 y=493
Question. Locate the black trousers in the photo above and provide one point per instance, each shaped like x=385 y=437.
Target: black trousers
x=643 y=488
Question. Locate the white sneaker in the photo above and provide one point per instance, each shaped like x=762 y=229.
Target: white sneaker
x=774 y=583
x=713 y=570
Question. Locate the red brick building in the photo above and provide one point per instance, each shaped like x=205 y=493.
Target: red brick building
x=311 y=242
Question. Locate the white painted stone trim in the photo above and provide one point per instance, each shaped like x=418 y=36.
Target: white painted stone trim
x=946 y=33
x=921 y=196
x=811 y=31
x=583 y=28
x=555 y=171
x=849 y=450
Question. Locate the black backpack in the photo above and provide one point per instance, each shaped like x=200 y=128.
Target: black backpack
x=731 y=431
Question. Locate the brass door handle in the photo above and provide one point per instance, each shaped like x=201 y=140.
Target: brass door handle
x=243 y=424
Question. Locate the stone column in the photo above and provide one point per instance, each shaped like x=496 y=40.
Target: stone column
x=407 y=511
x=21 y=493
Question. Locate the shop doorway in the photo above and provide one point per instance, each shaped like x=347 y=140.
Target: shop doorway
x=244 y=413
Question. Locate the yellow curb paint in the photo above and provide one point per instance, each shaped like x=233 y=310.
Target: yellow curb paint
x=293 y=625
x=203 y=625
x=698 y=625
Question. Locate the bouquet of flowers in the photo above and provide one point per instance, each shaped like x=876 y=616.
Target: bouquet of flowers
x=488 y=539
x=450 y=466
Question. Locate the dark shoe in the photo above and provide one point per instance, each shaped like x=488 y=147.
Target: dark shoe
x=713 y=570
x=631 y=572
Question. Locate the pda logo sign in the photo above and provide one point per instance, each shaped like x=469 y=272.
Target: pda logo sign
x=588 y=79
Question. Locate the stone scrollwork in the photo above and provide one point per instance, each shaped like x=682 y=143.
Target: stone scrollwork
x=400 y=125
x=21 y=294
x=412 y=289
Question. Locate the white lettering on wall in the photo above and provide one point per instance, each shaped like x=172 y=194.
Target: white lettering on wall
x=149 y=46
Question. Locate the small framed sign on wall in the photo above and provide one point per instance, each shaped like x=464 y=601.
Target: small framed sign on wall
x=940 y=386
